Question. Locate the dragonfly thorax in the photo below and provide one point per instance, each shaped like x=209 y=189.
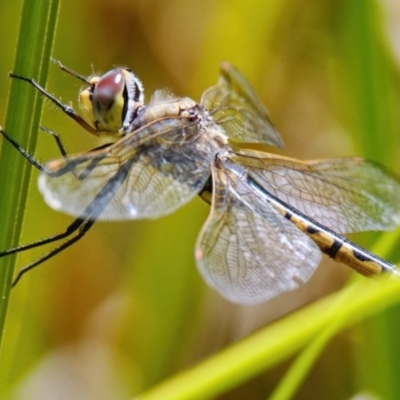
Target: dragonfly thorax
x=170 y=107
x=112 y=100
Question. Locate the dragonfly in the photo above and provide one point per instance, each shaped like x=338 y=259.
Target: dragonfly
x=271 y=217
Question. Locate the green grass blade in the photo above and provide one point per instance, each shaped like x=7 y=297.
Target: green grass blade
x=277 y=342
x=303 y=364
x=370 y=80
x=37 y=27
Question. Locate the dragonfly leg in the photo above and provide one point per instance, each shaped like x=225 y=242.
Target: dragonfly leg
x=22 y=151
x=64 y=107
x=59 y=143
x=81 y=225
x=57 y=138
x=70 y=230
x=29 y=157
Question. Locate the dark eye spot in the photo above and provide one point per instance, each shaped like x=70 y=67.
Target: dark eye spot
x=108 y=87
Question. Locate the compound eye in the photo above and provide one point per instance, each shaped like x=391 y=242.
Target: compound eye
x=109 y=86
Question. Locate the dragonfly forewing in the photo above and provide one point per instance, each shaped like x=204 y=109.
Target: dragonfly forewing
x=167 y=168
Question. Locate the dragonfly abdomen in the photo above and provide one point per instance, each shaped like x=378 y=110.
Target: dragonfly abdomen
x=339 y=248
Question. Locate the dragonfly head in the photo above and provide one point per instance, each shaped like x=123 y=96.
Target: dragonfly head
x=112 y=100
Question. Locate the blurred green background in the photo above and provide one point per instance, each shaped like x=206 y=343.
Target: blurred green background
x=125 y=307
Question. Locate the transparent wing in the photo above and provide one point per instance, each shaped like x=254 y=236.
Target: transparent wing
x=147 y=174
x=344 y=194
x=234 y=105
x=246 y=250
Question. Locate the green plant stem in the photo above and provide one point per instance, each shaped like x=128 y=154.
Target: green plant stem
x=36 y=34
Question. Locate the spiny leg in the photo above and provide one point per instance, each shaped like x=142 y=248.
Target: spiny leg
x=64 y=107
x=28 y=156
x=22 y=151
x=57 y=138
x=60 y=146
